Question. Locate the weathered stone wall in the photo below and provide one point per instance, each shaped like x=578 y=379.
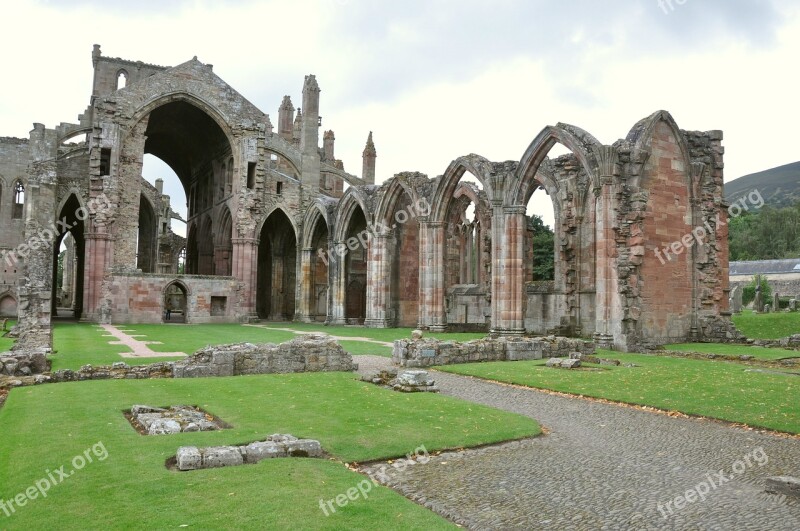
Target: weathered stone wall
x=468 y=308
x=306 y=353
x=428 y=352
x=139 y=298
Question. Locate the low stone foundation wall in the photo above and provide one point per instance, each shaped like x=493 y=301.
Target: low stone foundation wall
x=305 y=353
x=12 y=364
x=426 y=352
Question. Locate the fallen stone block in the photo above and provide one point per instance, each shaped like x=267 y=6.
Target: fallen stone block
x=413 y=378
x=164 y=427
x=570 y=364
x=554 y=362
x=258 y=451
x=189 y=458
x=304 y=448
x=219 y=456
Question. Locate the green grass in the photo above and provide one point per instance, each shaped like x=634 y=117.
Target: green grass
x=189 y=338
x=715 y=389
x=7 y=342
x=378 y=334
x=767 y=325
x=77 y=344
x=362 y=347
x=45 y=426
x=760 y=353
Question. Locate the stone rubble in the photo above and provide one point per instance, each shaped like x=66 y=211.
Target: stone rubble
x=277 y=445
x=175 y=419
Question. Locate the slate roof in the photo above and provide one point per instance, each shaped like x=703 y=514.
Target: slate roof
x=765 y=267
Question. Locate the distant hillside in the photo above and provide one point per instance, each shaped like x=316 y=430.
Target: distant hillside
x=780 y=187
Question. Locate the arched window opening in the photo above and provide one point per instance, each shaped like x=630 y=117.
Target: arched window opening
x=122 y=79
x=19 y=199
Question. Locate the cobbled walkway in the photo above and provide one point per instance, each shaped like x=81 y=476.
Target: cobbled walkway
x=603 y=466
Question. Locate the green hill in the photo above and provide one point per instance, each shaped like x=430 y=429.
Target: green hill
x=780 y=187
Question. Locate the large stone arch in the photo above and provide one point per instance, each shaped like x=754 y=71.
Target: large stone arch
x=477 y=165
x=582 y=144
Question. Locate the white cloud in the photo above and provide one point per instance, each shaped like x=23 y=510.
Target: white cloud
x=441 y=78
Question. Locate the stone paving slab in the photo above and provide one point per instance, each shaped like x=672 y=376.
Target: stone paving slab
x=139 y=349
x=603 y=466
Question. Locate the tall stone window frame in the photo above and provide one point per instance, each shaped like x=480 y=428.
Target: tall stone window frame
x=122 y=79
x=19 y=200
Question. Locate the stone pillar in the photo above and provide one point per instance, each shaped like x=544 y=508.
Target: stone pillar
x=306 y=295
x=245 y=270
x=431 y=276
x=508 y=233
x=309 y=141
x=608 y=310
x=776 y=302
x=379 y=280
x=338 y=284
x=128 y=191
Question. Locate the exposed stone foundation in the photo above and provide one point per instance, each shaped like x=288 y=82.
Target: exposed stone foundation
x=193 y=458
x=305 y=353
x=428 y=352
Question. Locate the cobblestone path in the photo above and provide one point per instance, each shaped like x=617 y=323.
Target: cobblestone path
x=603 y=466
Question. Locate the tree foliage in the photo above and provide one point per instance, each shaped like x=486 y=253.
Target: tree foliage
x=543 y=250
x=768 y=234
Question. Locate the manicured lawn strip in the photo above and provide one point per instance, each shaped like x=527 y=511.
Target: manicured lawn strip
x=78 y=344
x=132 y=488
x=7 y=342
x=767 y=325
x=379 y=334
x=363 y=347
x=189 y=338
x=715 y=389
x=760 y=353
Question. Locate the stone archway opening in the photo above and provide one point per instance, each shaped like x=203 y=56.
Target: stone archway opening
x=355 y=269
x=68 y=261
x=8 y=307
x=319 y=272
x=193 y=145
x=276 y=269
x=467 y=256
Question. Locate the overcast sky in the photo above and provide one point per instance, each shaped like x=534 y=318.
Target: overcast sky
x=438 y=79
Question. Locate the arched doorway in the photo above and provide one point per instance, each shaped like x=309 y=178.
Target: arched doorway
x=175 y=299
x=277 y=268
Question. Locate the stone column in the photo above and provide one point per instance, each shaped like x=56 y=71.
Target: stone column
x=128 y=192
x=379 y=280
x=338 y=283
x=305 y=299
x=431 y=276
x=608 y=312
x=508 y=233
x=245 y=269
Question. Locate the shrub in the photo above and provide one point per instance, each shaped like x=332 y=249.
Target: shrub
x=749 y=292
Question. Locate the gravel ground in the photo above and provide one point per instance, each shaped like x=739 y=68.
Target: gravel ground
x=602 y=466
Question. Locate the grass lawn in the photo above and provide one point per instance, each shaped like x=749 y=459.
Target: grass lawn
x=714 y=389
x=767 y=325
x=189 y=338
x=760 y=353
x=132 y=488
x=379 y=334
x=77 y=344
x=362 y=347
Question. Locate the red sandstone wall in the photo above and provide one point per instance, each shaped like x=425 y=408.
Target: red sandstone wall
x=666 y=288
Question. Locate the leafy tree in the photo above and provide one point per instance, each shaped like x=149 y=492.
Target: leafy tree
x=749 y=292
x=543 y=251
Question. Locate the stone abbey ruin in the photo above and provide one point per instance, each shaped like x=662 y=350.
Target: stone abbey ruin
x=274 y=232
